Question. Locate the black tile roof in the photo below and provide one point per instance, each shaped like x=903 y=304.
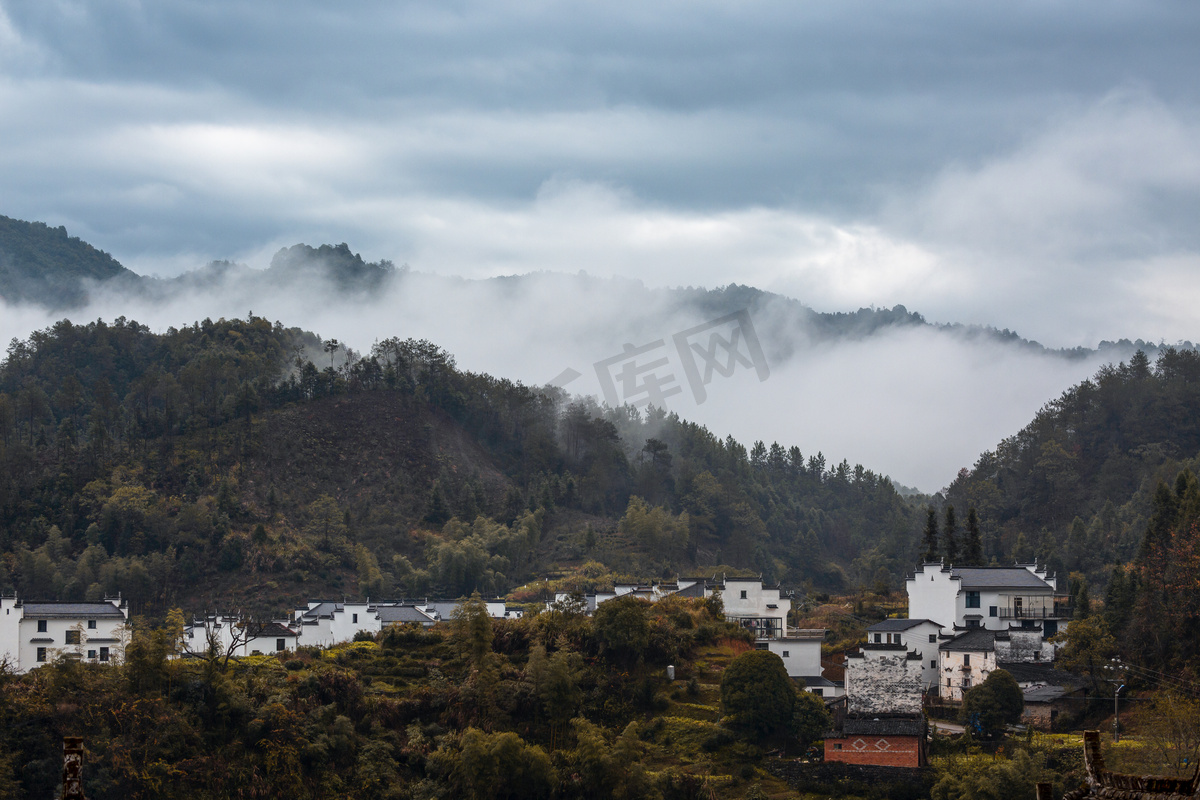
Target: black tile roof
x=998 y=578
x=818 y=681
x=883 y=726
x=1025 y=672
x=274 y=629
x=393 y=614
x=893 y=625
x=976 y=639
x=85 y=610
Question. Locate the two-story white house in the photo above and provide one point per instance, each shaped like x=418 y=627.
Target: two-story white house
x=755 y=606
x=919 y=636
x=988 y=597
x=968 y=657
x=325 y=622
x=37 y=633
x=965 y=661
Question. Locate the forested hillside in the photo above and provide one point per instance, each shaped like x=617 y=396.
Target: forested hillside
x=1075 y=486
x=240 y=460
x=1102 y=487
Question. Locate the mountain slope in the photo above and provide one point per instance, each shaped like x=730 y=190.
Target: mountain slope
x=212 y=461
x=1074 y=487
x=43 y=265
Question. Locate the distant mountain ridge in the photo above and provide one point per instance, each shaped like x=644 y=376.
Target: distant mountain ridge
x=45 y=266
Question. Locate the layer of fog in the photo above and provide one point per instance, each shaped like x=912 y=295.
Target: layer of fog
x=914 y=403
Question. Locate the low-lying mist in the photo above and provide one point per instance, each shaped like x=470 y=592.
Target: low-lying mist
x=912 y=401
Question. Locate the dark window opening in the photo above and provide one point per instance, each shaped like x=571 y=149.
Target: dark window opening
x=41 y=626
x=72 y=637
x=972 y=599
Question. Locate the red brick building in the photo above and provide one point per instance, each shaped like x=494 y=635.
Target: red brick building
x=887 y=741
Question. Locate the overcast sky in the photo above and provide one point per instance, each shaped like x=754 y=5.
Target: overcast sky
x=1029 y=165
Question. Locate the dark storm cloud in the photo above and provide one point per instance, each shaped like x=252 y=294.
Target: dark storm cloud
x=831 y=100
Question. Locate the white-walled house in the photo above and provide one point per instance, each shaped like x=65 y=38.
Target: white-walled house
x=36 y=633
x=988 y=597
x=800 y=650
x=748 y=602
x=920 y=636
x=758 y=607
x=237 y=636
x=965 y=661
x=325 y=622
x=967 y=658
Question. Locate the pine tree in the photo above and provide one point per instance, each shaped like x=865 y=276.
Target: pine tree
x=1157 y=539
x=974 y=554
x=931 y=536
x=950 y=536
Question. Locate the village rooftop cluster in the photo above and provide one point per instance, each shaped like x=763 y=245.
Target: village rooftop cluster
x=963 y=623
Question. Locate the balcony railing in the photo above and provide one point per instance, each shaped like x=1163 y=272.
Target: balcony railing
x=1057 y=611
x=762 y=627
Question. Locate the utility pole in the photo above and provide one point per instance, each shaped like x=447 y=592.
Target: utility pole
x=1117 y=714
x=1118 y=684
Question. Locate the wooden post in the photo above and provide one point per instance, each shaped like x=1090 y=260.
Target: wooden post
x=72 y=768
